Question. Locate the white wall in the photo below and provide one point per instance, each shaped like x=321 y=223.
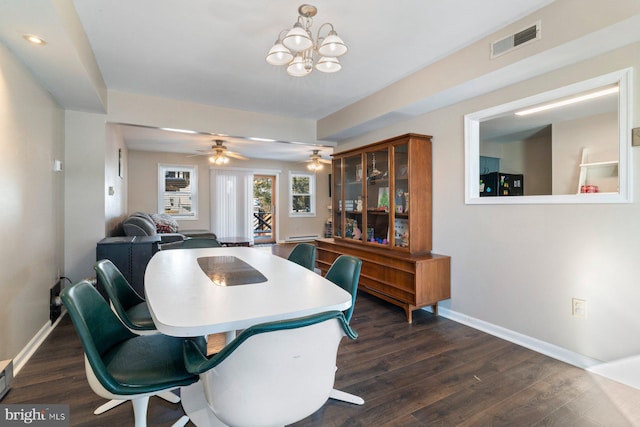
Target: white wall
x=518 y=266
x=86 y=192
x=32 y=194
x=598 y=134
x=116 y=179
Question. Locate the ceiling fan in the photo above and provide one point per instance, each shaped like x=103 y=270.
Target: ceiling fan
x=220 y=154
x=316 y=161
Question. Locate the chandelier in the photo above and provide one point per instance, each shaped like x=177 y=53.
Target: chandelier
x=297 y=49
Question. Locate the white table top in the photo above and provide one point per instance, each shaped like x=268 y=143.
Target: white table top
x=185 y=302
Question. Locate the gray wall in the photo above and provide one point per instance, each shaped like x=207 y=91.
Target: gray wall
x=32 y=194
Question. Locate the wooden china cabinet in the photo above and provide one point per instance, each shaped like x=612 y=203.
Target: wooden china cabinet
x=382 y=214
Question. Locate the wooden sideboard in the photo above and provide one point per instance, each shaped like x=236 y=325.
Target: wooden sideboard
x=382 y=214
x=408 y=281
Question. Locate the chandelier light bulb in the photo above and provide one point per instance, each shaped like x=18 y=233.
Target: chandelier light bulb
x=297 y=67
x=219 y=159
x=279 y=54
x=332 y=46
x=328 y=64
x=297 y=39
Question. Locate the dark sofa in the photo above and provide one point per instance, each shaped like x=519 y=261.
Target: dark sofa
x=163 y=225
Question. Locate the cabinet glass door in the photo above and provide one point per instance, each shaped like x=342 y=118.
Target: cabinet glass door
x=353 y=200
x=378 y=196
x=401 y=196
x=336 y=196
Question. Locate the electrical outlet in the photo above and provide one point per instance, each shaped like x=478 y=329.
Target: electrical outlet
x=579 y=308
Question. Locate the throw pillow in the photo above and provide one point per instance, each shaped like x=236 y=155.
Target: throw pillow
x=165 y=223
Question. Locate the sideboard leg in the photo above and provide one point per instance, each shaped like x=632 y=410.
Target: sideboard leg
x=409 y=312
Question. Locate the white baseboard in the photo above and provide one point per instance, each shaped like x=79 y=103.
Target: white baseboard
x=625 y=371
x=29 y=350
x=534 y=344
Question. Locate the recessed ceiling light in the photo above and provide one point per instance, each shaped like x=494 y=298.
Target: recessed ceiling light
x=33 y=39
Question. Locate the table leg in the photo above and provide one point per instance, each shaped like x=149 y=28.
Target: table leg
x=195 y=404
x=230 y=336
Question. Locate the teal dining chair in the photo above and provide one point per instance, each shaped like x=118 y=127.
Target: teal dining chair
x=345 y=272
x=131 y=308
x=304 y=254
x=196 y=242
x=292 y=377
x=120 y=364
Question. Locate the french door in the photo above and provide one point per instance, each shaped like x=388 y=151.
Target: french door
x=264 y=208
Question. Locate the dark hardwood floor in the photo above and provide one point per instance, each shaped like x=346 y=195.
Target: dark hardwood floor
x=432 y=372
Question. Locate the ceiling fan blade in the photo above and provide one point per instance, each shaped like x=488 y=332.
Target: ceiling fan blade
x=235 y=155
x=327 y=162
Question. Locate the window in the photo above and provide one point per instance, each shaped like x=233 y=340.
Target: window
x=178 y=191
x=302 y=197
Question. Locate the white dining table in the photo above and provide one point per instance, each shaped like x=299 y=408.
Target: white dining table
x=198 y=292
x=184 y=301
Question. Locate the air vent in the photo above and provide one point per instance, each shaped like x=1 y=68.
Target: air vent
x=520 y=38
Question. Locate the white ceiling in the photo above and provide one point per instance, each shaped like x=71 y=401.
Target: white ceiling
x=151 y=139
x=213 y=51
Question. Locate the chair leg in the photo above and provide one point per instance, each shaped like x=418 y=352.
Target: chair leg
x=140 y=410
x=106 y=406
x=346 y=397
x=181 y=422
x=169 y=397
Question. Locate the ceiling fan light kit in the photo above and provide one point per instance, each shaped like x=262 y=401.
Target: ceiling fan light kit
x=300 y=52
x=219 y=154
x=219 y=159
x=316 y=161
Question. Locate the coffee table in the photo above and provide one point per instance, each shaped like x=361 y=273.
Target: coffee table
x=234 y=241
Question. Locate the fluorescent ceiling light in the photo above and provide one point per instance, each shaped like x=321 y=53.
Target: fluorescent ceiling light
x=179 y=130
x=568 y=101
x=262 y=139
